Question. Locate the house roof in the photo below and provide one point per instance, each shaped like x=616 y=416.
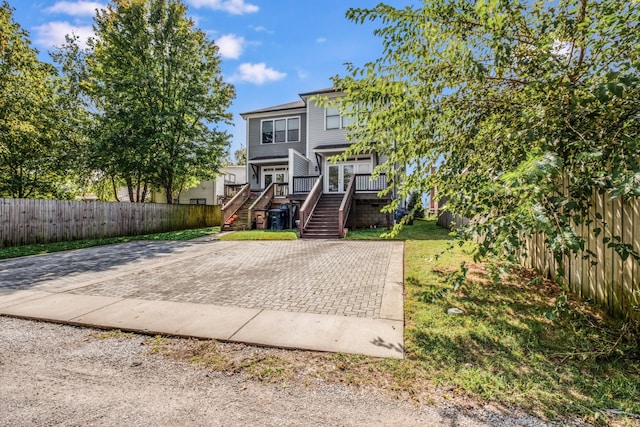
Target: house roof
x=318 y=92
x=290 y=105
x=281 y=107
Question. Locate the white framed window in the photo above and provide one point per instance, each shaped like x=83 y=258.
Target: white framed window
x=286 y=129
x=333 y=119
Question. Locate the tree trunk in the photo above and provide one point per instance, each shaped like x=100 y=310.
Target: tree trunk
x=130 y=188
x=169 y=193
x=145 y=188
x=115 y=189
x=168 y=188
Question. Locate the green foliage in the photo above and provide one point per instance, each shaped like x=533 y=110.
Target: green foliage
x=240 y=156
x=528 y=108
x=155 y=87
x=261 y=235
x=34 y=154
x=520 y=341
x=415 y=204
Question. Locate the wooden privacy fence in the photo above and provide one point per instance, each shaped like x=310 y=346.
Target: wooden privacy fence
x=448 y=220
x=606 y=279
x=27 y=221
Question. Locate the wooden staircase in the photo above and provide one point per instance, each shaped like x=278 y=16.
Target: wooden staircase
x=242 y=221
x=324 y=220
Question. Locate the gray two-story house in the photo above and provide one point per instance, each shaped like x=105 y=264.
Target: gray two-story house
x=291 y=169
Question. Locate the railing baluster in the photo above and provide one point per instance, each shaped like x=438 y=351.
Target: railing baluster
x=365 y=183
x=303 y=184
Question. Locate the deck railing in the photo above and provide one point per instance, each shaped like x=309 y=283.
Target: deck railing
x=365 y=182
x=345 y=206
x=303 y=184
x=231 y=190
x=310 y=204
x=236 y=202
x=281 y=189
x=263 y=201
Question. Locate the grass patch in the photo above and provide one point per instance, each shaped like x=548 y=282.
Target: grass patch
x=420 y=230
x=37 y=249
x=260 y=235
x=504 y=348
x=115 y=334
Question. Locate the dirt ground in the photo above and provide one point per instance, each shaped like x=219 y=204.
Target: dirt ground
x=63 y=375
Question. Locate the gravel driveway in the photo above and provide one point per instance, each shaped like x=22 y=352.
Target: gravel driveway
x=62 y=375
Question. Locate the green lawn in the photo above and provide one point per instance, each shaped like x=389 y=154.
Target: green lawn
x=260 y=235
x=18 y=251
x=504 y=348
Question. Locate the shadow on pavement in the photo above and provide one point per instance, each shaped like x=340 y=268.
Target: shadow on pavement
x=25 y=272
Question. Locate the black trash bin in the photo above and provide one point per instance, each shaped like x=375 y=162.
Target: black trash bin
x=278 y=219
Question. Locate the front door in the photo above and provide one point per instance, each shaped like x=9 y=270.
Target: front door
x=338 y=177
x=274 y=174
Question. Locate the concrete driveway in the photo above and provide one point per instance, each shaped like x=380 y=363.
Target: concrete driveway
x=339 y=296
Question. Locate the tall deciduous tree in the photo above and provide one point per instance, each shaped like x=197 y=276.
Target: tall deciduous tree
x=32 y=151
x=74 y=108
x=157 y=84
x=528 y=107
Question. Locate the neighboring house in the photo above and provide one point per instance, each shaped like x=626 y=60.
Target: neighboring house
x=291 y=179
x=213 y=192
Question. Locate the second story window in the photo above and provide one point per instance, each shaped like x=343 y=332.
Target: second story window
x=335 y=121
x=281 y=130
x=293 y=129
x=333 y=118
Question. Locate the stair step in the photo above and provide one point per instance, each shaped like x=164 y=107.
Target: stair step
x=320 y=236
x=323 y=222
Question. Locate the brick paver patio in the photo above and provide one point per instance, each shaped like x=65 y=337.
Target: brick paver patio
x=344 y=278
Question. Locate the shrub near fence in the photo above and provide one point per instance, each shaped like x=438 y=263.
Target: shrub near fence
x=28 y=221
x=606 y=279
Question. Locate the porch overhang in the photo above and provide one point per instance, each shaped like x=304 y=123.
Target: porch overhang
x=269 y=160
x=329 y=149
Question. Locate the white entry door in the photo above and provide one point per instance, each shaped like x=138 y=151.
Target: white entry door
x=338 y=177
x=277 y=174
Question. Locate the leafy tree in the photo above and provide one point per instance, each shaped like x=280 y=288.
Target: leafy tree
x=157 y=86
x=240 y=156
x=415 y=204
x=32 y=150
x=527 y=107
x=74 y=109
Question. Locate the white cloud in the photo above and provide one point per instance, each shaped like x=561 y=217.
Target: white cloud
x=231 y=46
x=53 y=33
x=321 y=39
x=234 y=7
x=261 y=29
x=80 y=8
x=257 y=74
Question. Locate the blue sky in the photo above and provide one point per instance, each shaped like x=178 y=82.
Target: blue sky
x=271 y=50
